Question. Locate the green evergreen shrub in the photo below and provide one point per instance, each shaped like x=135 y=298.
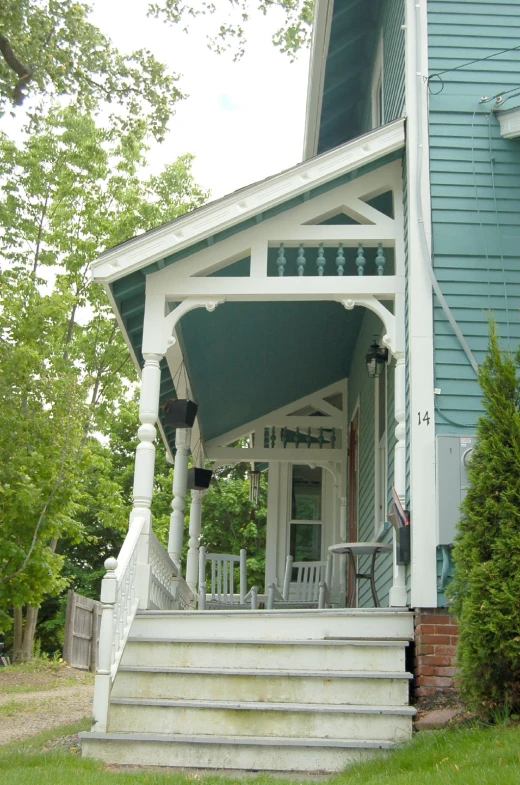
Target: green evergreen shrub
x=485 y=590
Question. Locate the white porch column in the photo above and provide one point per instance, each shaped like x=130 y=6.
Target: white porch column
x=148 y=412
x=398 y=595
x=343 y=527
x=192 y=561
x=180 y=481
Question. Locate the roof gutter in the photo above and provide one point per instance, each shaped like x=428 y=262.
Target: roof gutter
x=318 y=61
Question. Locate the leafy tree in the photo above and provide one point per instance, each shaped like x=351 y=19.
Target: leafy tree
x=52 y=49
x=70 y=189
x=230 y=522
x=233 y=17
x=486 y=586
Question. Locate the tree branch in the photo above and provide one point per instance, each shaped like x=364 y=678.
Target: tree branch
x=24 y=72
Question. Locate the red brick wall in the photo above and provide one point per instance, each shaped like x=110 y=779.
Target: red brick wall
x=436 y=634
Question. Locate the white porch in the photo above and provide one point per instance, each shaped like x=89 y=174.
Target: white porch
x=332 y=247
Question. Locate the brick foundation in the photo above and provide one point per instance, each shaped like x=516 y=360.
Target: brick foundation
x=436 y=634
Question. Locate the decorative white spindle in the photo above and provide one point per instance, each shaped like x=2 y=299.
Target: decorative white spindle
x=192 y=561
x=148 y=412
x=398 y=594
x=180 y=481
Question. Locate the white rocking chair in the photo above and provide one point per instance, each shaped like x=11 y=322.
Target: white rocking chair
x=222 y=590
x=309 y=590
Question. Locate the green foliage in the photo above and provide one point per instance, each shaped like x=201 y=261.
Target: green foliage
x=52 y=49
x=230 y=522
x=69 y=190
x=486 y=586
x=233 y=17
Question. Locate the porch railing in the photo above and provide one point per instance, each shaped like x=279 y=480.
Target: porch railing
x=301 y=260
x=142 y=577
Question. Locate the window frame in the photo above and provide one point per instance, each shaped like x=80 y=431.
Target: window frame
x=292 y=521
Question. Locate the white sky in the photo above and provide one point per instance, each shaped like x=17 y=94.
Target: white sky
x=243 y=121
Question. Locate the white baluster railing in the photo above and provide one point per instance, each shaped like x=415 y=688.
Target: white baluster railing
x=168 y=589
x=119 y=605
x=143 y=576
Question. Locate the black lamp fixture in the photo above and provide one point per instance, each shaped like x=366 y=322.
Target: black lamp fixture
x=376 y=359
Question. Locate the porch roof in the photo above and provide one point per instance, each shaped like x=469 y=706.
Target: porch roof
x=123 y=269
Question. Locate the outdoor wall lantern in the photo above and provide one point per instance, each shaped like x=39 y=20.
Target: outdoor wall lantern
x=376 y=360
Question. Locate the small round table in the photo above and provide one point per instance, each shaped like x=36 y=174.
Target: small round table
x=355 y=549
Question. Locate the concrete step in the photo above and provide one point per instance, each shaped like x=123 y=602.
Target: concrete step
x=292 y=720
x=334 y=655
x=306 y=624
x=253 y=753
x=290 y=686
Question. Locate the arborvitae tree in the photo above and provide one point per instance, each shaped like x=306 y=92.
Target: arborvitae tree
x=486 y=586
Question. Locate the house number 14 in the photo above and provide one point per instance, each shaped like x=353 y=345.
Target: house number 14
x=424 y=418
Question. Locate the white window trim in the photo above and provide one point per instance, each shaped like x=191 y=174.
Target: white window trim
x=377 y=85
x=290 y=519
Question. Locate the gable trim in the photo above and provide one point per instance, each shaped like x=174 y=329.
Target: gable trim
x=247 y=203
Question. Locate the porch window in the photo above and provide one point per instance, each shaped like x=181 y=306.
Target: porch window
x=305 y=530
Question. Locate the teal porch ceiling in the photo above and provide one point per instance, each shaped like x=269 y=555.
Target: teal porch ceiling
x=248 y=359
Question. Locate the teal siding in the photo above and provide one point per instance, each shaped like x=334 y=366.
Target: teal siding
x=475 y=189
x=363 y=389
x=393 y=59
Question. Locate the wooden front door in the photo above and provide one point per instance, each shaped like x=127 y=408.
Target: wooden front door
x=353 y=484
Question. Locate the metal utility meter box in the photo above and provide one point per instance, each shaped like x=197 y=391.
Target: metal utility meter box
x=453 y=454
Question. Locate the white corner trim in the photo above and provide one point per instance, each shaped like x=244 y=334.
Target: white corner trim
x=509 y=123
x=237 y=207
x=420 y=318
x=318 y=60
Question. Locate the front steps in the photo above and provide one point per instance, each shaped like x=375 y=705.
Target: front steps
x=295 y=690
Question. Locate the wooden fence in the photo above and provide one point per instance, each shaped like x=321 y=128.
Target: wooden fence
x=82 y=622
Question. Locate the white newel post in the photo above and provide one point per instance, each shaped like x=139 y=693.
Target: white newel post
x=148 y=413
x=180 y=482
x=144 y=468
x=398 y=594
x=106 y=647
x=192 y=562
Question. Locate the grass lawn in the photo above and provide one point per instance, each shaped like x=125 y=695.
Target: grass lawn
x=465 y=756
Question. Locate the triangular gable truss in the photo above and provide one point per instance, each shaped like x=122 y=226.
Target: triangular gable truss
x=358 y=280
x=308 y=430
x=300 y=225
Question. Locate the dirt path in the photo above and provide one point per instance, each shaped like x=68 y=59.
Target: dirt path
x=32 y=701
